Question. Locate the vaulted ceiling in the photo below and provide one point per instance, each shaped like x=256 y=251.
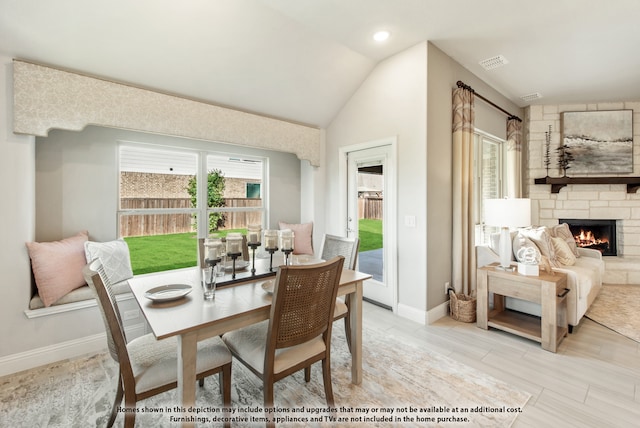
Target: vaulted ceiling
x=301 y=60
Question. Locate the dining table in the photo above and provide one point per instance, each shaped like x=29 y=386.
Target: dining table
x=239 y=303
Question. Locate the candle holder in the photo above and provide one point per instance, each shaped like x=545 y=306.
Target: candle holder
x=253 y=246
x=286 y=243
x=214 y=253
x=271 y=245
x=271 y=251
x=234 y=257
x=234 y=250
x=286 y=255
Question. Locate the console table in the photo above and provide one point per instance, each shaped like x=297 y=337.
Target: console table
x=548 y=290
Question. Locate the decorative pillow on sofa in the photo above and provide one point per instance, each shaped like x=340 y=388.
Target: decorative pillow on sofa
x=302 y=237
x=520 y=241
x=114 y=256
x=541 y=237
x=564 y=254
x=562 y=231
x=57 y=266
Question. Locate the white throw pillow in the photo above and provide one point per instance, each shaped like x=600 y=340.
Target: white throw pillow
x=114 y=256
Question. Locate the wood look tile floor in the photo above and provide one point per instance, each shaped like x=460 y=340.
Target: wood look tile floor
x=592 y=381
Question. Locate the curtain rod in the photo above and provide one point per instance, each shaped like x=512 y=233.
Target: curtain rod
x=469 y=88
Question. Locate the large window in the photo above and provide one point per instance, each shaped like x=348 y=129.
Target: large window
x=489 y=170
x=164 y=194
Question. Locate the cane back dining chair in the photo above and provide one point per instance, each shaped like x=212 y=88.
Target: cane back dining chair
x=298 y=331
x=332 y=246
x=147 y=366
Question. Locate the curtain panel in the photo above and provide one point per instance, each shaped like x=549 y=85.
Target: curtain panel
x=463 y=246
x=514 y=158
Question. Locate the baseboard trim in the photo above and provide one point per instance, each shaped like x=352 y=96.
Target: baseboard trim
x=412 y=313
x=440 y=311
x=50 y=354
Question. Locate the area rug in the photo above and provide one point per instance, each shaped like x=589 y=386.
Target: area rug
x=403 y=385
x=617 y=307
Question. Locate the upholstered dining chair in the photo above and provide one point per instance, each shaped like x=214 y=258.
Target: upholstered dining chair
x=148 y=366
x=298 y=331
x=332 y=246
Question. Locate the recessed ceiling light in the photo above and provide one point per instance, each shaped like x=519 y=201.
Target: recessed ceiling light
x=381 y=36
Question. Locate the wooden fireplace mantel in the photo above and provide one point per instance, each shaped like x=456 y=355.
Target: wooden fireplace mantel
x=557 y=183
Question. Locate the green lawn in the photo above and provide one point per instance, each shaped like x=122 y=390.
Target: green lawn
x=370 y=232
x=164 y=252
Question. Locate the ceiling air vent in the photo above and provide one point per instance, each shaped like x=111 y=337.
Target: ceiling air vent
x=495 y=62
x=531 y=97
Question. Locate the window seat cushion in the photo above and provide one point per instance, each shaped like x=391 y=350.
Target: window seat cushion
x=77 y=295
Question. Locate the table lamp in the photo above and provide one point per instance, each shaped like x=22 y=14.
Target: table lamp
x=507 y=214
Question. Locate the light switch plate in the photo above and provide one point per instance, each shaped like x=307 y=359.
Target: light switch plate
x=410 y=221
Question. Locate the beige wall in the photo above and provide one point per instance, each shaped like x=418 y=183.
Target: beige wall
x=443 y=73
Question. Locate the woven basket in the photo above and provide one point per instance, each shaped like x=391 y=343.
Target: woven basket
x=463 y=307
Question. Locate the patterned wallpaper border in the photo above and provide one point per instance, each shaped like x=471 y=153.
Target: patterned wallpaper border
x=46 y=98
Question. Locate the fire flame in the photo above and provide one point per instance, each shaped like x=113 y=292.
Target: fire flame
x=586 y=239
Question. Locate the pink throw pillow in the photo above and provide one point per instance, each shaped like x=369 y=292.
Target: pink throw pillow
x=302 y=237
x=57 y=266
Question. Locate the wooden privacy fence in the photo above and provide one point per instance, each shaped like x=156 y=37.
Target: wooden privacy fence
x=370 y=207
x=160 y=224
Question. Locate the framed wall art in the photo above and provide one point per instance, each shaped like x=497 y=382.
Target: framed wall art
x=600 y=142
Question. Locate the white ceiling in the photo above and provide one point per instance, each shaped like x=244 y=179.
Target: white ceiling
x=301 y=60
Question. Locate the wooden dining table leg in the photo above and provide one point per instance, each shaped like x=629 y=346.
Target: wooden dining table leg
x=355 y=321
x=187 y=349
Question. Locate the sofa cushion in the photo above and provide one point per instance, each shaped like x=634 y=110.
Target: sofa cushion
x=585 y=281
x=57 y=266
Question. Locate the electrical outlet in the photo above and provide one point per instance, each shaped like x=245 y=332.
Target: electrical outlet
x=130 y=315
x=446 y=288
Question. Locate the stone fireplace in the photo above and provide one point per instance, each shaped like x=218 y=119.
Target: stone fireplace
x=595 y=234
x=584 y=201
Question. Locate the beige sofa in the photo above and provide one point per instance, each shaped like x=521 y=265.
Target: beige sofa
x=584 y=279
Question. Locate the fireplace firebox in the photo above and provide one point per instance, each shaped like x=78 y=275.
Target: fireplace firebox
x=595 y=234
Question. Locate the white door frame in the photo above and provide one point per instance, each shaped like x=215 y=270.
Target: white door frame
x=390 y=224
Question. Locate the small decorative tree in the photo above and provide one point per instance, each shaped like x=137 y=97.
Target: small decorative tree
x=564 y=158
x=547 y=148
x=215 y=192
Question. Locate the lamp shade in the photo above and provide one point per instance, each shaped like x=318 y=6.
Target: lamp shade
x=507 y=212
